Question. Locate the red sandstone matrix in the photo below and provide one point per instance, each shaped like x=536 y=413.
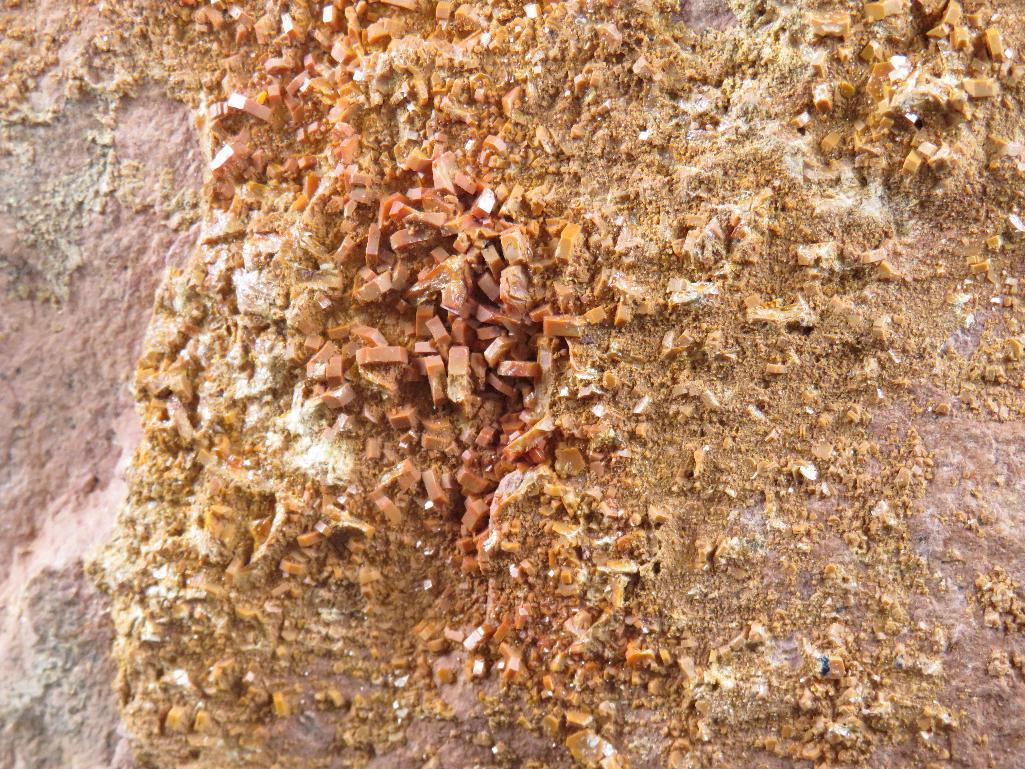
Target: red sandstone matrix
x=604 y=384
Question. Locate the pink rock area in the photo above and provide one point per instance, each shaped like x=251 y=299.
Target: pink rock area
x=706 y=14
x=92 y=210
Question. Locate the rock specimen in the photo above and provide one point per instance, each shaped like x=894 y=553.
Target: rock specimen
x=604 y=384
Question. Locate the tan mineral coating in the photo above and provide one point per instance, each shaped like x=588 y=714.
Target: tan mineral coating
x=792 y=537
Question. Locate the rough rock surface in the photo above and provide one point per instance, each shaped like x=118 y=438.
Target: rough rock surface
x=706 y=514
x=957 y=606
